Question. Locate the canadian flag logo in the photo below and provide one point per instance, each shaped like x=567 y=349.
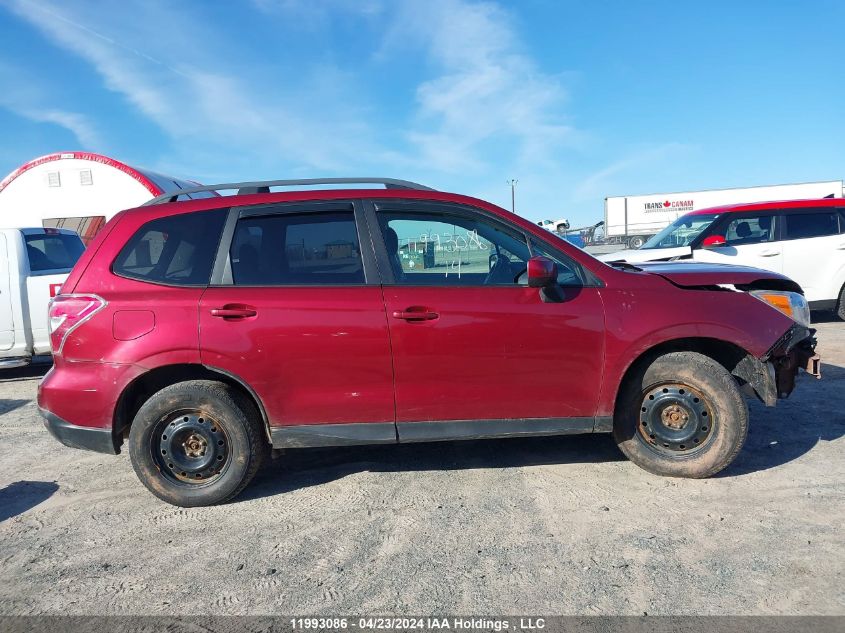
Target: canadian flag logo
x=667 y=204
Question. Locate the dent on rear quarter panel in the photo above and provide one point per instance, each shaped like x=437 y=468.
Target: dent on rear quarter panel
x=638 y=320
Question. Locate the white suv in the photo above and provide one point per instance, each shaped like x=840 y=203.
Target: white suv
x=802 y=239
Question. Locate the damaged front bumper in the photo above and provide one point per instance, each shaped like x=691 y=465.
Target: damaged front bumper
x=773 y=376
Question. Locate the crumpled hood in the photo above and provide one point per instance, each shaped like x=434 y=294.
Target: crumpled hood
x=689 y=273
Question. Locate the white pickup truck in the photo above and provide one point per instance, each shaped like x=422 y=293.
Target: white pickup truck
x=34 y=264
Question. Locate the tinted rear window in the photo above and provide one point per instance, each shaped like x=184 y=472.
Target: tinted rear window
x=816 y=224
x=56 y=251
x=177 y=250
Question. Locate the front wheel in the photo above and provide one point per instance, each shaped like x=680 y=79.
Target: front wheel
x=196 y=443
x=682 y=415
x=840 y=304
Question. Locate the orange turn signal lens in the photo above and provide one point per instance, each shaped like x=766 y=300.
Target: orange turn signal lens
x=792 y=304
x=780 y=302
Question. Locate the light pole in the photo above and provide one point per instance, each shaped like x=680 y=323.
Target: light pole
x=512 y=182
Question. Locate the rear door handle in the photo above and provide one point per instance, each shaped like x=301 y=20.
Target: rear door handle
x=415 y=313
x=234 y=312
x=771 y=253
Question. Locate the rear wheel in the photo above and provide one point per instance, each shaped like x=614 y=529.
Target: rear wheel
x=196 y=443
x=840 y=305
x=636 y=241
x=682 y=415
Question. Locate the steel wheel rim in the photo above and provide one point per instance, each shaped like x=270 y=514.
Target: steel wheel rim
x=190 y=448
x=675 y=419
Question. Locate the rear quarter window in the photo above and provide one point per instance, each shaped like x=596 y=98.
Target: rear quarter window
x=176 y=250
x=52 y=251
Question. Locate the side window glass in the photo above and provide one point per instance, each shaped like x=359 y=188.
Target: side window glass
x=750 y=230
x=447 y=249
x=177 y=250
x=805 y=225
x=52 y=251
x=568 y=272
x=297 y=249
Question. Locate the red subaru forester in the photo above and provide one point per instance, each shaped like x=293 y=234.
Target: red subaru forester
x=206 y=331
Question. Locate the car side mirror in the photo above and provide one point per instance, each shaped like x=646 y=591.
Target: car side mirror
x=542 y=272
x=714 y=241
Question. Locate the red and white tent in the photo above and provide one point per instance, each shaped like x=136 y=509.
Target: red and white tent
x=78 y=190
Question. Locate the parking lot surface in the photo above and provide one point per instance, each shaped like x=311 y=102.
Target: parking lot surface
x=548 y=525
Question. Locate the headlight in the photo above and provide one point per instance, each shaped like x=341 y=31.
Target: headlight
x=792 y=304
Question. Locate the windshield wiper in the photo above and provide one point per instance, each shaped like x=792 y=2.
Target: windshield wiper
x=624 y=265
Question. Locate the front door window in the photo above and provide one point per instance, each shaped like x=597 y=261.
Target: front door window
x=750 y=229
x=434 y=249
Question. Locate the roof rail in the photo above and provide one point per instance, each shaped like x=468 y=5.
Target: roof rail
x=263 y=186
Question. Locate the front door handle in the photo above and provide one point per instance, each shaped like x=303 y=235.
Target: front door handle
x=770 y=253
x=416 y=313
x=234 y=312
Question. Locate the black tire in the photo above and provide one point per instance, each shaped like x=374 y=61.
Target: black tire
x=840 y=305
x=636 y=241
x=197 y=443
x=681 y=415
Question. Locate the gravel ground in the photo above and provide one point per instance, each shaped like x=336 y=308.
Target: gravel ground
x=555 y=526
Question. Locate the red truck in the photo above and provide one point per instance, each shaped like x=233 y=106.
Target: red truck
x=205 y=332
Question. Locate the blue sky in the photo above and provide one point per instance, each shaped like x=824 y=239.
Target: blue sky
x=576 y=100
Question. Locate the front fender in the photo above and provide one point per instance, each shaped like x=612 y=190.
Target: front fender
x=641 y=321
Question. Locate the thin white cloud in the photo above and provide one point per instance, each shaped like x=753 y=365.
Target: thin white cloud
x=318 y=11
x=486 y=88
x=601 y=181
x=76 y=123
x=481 y=109
x=178 y=85
x=27 y=98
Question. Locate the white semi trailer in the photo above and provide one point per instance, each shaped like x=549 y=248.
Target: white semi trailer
x=631 y=220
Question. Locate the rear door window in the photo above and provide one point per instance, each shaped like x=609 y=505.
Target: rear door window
x=176 y=250
x=52 y=251
x=297 y=249
x=817 y=223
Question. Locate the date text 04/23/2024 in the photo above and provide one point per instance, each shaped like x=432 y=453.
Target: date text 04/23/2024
x=422 y=623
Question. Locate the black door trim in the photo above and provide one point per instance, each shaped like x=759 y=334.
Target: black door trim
x=312 y=435
x=482 y=429
x=308 y=435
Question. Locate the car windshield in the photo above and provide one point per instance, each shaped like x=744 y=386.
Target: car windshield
x=682 y=231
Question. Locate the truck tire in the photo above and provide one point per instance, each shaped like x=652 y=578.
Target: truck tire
x=197 y=443
x=636 y=241
x=840 y=305
x=681 y=415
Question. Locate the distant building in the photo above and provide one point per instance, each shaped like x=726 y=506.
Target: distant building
x=340 y=250
x=79 y=191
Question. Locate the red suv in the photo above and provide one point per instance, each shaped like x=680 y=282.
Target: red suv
x=207 y=331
